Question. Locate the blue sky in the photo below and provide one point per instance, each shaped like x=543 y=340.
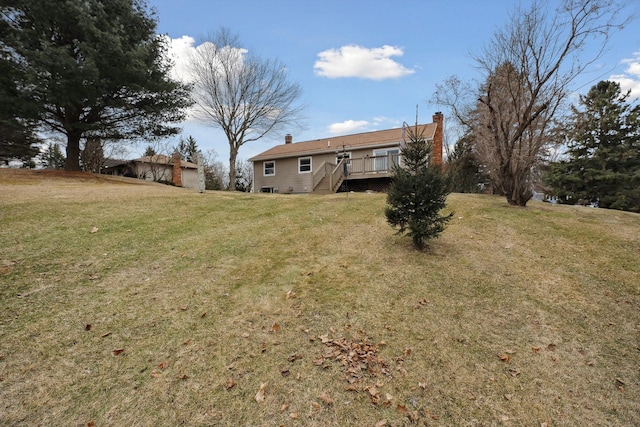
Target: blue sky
x=365 y=64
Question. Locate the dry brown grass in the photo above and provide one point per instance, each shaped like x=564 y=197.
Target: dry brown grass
x=513 y=317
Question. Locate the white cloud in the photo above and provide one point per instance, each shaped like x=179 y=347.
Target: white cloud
x=179 y=52
x=630 y=80
x=348 y=126
x=361 y=62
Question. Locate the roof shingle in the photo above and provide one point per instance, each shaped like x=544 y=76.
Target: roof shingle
x=378 y=138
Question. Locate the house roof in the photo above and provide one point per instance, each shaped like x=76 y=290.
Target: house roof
x=161 y=159
x=373 y=139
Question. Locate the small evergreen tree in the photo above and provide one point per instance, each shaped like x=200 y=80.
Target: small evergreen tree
x=149 y=151
x=417 y=194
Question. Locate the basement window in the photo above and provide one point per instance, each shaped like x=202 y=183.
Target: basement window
x=269 y=168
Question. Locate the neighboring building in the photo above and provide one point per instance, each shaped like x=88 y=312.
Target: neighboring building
x=156 y=168
x=352 y=162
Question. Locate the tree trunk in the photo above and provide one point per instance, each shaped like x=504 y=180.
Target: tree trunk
x=233 y=154
x=72 y=162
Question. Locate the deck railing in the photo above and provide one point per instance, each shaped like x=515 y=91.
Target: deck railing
x=356 y=168
x=367 y=165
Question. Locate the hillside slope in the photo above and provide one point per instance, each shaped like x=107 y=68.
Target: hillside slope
x=155 y=305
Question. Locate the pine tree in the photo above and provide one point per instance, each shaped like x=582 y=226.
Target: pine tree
x=188 y=148
x=417 y=194
x=91 y=67
x=603 y=164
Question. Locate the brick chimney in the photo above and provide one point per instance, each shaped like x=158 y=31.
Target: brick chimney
x=436 y=153
x=176 y=176
x=288 y=139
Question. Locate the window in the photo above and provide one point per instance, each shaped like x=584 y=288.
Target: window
x=386 y=159
x=269 y=168
x=304 y=165
x=341 y=156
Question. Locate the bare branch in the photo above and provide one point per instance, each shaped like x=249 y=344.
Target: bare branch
x=241 y=94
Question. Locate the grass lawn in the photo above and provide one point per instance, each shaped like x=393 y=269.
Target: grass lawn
x=124 y=303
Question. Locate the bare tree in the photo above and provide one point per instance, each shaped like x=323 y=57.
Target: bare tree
x=241 y=94
x=154 y=162
x=244 y=175
x=528 y=67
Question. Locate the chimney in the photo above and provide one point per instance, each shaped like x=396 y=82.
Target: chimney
x=176 y=177
x=436 y=153
x=288 y=139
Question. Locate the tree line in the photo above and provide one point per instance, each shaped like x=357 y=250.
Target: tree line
x=95 y=72
x=518 y=133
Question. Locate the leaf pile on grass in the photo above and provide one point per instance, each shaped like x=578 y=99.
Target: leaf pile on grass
x=356 y=357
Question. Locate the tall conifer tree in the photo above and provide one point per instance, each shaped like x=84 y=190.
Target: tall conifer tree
x=603 y=163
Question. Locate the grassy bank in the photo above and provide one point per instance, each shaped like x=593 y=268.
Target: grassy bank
x=152 y=305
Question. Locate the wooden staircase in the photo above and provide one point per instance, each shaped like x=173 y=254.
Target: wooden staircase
x=325 y=185
x=328 y=178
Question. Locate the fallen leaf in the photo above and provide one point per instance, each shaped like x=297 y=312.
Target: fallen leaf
x=290 y=295
x=94 y=230
x=294 y=415
x=117 y=351
x=231 y=384
x=163 y=365
x=551 y=347
x=292 y=358
x=536 y=349
x=401 y=408
x=187 y=342
x=91 y=424
x=203 y=314
x=510 y=351
x=325 y=398
x=260 y=394
x=514 y=372
x=183 y=377
x=88 y=327
x=373 y=390
x=263 y=347
x=381 y=423
x=275 y=327
x=106 y=334
x=284 y=407
x=246 y=335
x=285 y=372
x=504 y=357
x=184 y=307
